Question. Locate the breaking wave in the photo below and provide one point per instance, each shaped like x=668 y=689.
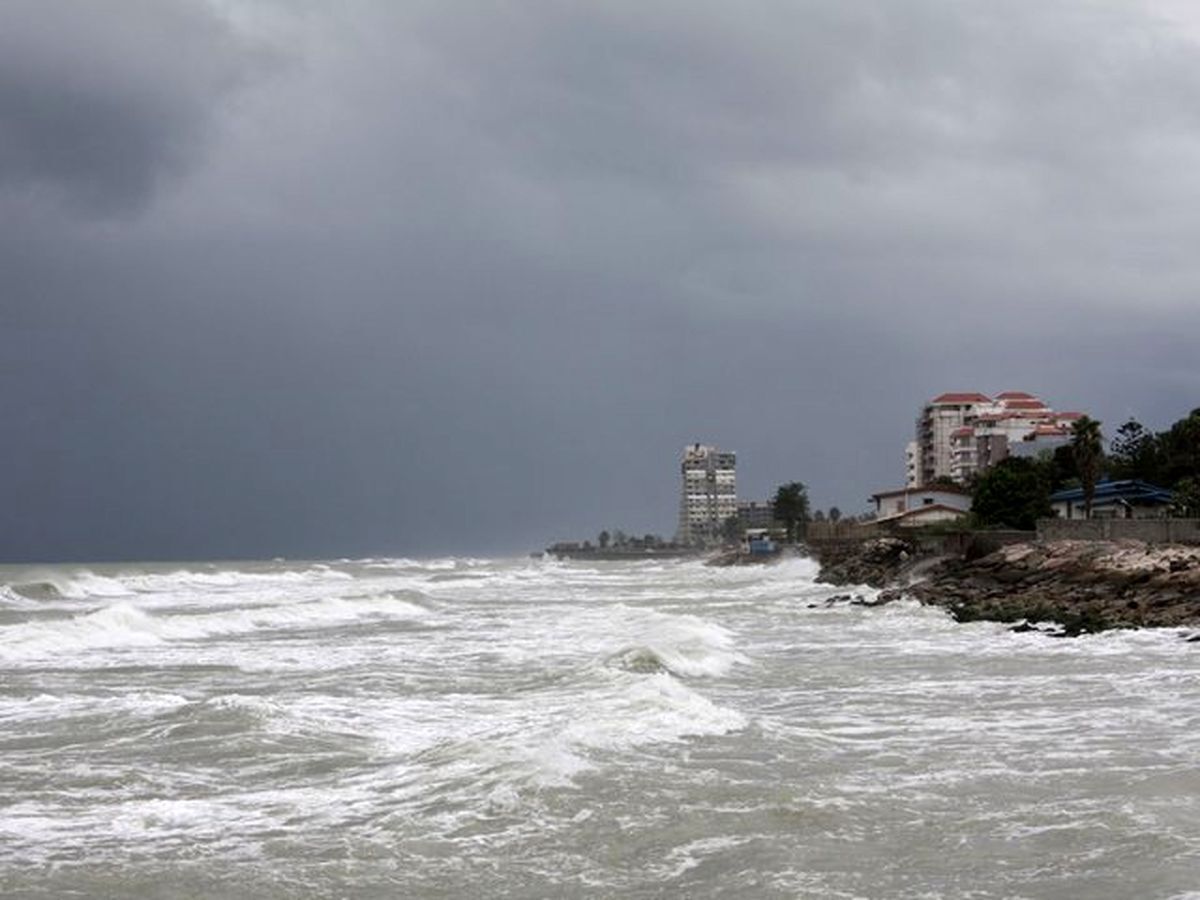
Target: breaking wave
x=84 y=584
x=686 y=646
x=123 y=624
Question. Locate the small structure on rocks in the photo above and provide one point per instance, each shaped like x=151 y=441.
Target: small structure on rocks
x=1114 y=500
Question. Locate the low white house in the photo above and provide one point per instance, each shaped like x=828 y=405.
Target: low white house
x=914 y=506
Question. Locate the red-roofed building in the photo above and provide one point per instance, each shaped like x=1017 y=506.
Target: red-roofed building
x=960 y=399
x=929 y=457
x=962 y=433
x=1022 y=404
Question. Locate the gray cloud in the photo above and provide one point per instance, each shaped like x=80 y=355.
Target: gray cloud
x=99 y=101
x=467 y=278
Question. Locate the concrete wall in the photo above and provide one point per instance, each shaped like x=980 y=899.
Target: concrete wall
x=842 y=530
x=1152 y=531
x=969 y=544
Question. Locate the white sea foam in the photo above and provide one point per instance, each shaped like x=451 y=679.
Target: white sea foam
x=57 y=707
x=649 y=709
x=125 y=625
x=548 y=741
x=685 y=645
x=554 y=727
x=10 y=597
x=85 y=584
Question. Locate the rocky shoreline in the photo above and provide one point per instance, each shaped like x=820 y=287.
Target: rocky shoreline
x=878 y=563
x=1065 y=587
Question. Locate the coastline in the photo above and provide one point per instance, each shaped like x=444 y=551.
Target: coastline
x=1069 y=587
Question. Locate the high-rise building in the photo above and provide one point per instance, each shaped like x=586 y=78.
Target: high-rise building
x=708 y=493
x=962 y=434
x=939 y=419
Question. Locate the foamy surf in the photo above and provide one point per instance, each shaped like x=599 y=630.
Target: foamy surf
x=686 y=646
x=542 y=728
x=126 y=625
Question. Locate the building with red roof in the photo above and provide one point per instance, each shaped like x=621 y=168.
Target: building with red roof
x=960 y=399
x=962 y=433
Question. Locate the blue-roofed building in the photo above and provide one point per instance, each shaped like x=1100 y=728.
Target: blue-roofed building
x=1114 y=500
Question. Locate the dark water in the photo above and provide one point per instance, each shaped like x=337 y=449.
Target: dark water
x=529 y=729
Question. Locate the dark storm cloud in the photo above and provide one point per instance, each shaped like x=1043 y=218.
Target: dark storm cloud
x=467 y=276
x=98 y=101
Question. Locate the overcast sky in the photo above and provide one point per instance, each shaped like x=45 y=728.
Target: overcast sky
x=311 y=279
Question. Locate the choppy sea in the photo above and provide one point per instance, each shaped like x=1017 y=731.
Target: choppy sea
x=532 y=728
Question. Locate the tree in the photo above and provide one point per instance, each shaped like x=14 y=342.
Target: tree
x=834 y=514
x=818 y=516
x=1063 y=471
x=791 y=507
x=1015 y=493
x=1185 y=502
x=1180 y=447
x=1133 y=453
x=602 y=539
x=1087 y=446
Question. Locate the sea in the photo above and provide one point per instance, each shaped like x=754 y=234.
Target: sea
x=528 y=728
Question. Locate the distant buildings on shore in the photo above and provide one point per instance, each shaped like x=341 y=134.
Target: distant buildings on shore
x=709 y=513
x=709 y=507
x=756 y=514
x=708 y=493
x=959 y=435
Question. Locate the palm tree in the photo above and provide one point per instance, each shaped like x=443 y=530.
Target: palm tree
x=1087 y=446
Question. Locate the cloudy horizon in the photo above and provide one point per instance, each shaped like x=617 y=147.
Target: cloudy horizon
x=418 y=278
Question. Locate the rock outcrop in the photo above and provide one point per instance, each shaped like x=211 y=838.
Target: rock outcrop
x=1066 y=587
x=878 y=562
x=1082 y=586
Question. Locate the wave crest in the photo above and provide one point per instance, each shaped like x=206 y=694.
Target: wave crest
x=685 y=646
x=124 y=624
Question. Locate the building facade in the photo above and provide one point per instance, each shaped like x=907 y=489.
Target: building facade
x=960 y=435
x=938 y=421
x=912 y=465
x=1114 y=500
x=708 y=493
x=904 y=503
x=756 y=514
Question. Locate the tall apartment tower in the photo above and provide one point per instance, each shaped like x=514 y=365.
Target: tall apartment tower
x=708 y=493
x=937 y=422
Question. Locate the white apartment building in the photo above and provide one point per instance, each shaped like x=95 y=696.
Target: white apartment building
x=708 y=493
x=962 y=434
x=939 y=419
